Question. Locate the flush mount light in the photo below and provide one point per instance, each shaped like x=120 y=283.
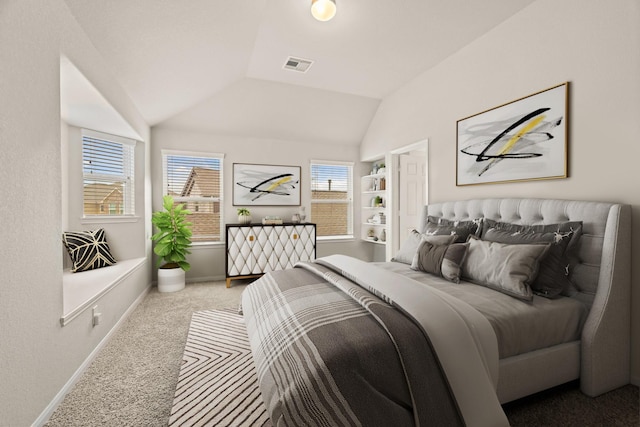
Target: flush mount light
x=323 y=10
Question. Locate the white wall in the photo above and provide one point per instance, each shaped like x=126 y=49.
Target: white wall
x=207 y=262
x=595 y=45
x=37 y=355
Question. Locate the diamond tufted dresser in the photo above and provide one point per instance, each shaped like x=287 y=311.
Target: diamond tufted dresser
x=255 y=249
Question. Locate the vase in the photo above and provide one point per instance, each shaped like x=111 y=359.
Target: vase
x=171 y=279
x=244 y=219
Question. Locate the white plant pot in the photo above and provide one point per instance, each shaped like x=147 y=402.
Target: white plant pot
x=244 y=219
x=171 y=279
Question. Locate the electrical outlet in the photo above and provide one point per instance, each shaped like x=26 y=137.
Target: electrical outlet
x=96 y=316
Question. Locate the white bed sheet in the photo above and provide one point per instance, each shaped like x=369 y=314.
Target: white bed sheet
x=520 y=326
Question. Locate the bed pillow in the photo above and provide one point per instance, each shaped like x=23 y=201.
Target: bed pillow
x=509 y=269
x=410 y=245
x=88 y=249
x=441 y=260
x=553 y=276
x=436 y=226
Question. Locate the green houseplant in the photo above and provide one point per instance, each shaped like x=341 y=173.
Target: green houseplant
x=244 y=216
x=173 y=240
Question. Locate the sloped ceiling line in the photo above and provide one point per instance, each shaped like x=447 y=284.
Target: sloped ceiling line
x=217 y=66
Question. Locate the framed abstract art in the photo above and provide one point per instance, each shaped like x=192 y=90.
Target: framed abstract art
x=522 y=140
x=266 y=185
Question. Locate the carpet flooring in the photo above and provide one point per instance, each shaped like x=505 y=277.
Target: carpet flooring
x=134 y=378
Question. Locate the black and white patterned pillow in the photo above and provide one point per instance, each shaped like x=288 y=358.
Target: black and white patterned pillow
x=88 y=249
x=437 y=226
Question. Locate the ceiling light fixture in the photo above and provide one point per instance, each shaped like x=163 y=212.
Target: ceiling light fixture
x=323 y=10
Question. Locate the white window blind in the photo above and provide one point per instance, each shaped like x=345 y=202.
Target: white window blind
x=332 y=198
x=195 y=179
x=108 y=174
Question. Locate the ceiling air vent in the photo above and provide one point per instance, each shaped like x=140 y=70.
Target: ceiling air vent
x=297 y=64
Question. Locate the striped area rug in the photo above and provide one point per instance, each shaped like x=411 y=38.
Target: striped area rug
x=217 y=384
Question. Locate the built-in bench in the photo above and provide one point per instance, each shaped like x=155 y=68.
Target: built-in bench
x=82 y=290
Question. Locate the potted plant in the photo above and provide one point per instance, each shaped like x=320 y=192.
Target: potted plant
x=244 y=216
x=172 y=244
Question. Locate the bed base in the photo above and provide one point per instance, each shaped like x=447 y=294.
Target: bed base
x=601 y=359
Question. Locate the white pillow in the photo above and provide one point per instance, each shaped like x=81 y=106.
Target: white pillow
x=509 y=269
x=409 y=247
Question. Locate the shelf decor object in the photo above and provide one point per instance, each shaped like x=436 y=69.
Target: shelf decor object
x=244 y=216
x=271 y=220
x=522 y=140
x=373 y=208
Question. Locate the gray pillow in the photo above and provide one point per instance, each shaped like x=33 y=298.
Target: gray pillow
x=441 y=260
x=509 y=269
x=410 y=245
x=553 y=276
x=437 y=226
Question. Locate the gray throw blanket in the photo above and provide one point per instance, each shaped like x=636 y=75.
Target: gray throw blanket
x=331 y=353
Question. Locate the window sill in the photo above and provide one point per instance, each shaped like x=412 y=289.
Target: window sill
x=82 y=290
x=108 y=219
x=206 y=245
x=335 y=239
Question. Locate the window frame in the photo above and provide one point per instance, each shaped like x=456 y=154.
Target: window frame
x=165 y=153
x=349 y=200
x=128 y=176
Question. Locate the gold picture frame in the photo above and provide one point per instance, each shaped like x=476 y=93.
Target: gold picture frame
x=522 y=140
x=266 y=185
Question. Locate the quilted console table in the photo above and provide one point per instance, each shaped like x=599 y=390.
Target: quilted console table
x=255 y=249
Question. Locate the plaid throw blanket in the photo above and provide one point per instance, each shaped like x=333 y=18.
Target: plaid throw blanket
x=333 y=347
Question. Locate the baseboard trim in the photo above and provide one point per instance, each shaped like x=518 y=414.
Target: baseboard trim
x=199 y=280
x=206 y=279
x=51 y=407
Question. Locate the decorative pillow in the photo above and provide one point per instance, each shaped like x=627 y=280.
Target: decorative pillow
x=441 y=260
x=410 y=245
x=509 y=269
x=88 y=249
x=461 y=229
x=553 y=276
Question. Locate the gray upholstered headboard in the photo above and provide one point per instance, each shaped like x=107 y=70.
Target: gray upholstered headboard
x=603 y=276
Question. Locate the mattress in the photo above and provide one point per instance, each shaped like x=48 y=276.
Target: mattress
x=520 y=326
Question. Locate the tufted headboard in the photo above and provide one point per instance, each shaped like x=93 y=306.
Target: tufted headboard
x=602 y=277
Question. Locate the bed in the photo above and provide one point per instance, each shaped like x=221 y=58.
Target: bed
x=344 y=342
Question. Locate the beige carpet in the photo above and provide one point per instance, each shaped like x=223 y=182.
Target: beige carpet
x=133 y=380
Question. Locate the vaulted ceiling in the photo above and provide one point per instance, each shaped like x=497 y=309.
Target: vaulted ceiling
x=215 y=65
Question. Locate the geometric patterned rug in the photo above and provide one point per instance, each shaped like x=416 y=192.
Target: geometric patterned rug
x=217 y=385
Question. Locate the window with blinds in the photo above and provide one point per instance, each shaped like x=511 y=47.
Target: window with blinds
x=108 y=174
x=332 y=198
x=195 y=179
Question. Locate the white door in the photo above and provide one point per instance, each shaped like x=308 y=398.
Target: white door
x=411 y=196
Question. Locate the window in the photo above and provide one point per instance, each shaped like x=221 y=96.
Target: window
x=108 y=172
x=195 y=179
x=332 y=198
